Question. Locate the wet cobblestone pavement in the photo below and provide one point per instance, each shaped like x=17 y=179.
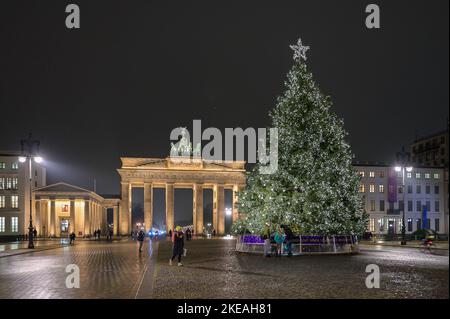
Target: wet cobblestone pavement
x=213 y=270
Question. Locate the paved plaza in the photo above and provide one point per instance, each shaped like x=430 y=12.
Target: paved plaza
x=212 y=269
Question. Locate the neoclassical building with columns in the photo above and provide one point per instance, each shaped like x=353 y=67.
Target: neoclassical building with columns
x=179 y=172
x=60 y=209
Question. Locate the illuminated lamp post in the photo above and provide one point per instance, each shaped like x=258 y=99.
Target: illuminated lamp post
x=30 y=152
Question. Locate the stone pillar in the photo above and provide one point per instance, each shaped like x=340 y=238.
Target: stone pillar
x=72 y=216
x=198 y=209
x=115 y=221
x=214 y=212
x=125 y=210
x=43 y=218
x=52 y=218
x=87 y=219
x=169 y=207
x=148 y=206
x=220 y=210
x=37 y=220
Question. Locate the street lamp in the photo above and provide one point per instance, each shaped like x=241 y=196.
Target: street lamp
x=228 y=211
x=401 y=156
x=30 y=152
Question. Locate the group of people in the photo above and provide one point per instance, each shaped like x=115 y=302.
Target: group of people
x=282 y=235
x=97 y=234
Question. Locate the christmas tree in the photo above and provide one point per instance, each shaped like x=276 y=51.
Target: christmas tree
x=315 y=189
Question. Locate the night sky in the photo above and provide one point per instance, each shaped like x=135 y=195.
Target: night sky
x=137 y=69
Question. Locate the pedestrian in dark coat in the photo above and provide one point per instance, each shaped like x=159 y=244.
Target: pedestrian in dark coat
x=178 y=245
x=289 y=238
x=140 y=238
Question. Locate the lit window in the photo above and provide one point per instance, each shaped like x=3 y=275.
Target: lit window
x=2 y=183
x=9 y=183
x=436 y=175
x=381 y=188
x=14 y=201
x=2 y=224
x=2 y=201
x=408 y=175
x=417 y=175
x=15 y=224
x=15 y=165
x=361 y=174
x=372 y=224
x=2 y=165
x=427 y=175
x=381 y=174
x=362 y=188
x=15 y=183
x=371 y=188
x=372 y=174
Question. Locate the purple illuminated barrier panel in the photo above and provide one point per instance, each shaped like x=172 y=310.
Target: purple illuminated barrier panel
x=252 y=239
x=306 y=239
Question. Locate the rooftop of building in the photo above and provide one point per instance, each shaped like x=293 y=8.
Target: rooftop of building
x=430 y=136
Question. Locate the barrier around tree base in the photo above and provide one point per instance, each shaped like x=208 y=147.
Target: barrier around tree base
x=302 y=245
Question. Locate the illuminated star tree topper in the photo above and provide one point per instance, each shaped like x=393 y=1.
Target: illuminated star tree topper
x=299 y=50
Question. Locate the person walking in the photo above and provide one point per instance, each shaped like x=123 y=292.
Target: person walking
x=140 y=238
x=178 y=245
x=279 y=239
x=72 y=238
x=266 y=237
x=289 y=238
x=34 y=234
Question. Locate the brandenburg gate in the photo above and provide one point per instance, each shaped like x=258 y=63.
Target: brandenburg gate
x=170 y=173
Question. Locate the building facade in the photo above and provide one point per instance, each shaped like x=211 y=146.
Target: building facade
x=15 y=193
x=422 y=198
x=432 y=151
x=61 y=209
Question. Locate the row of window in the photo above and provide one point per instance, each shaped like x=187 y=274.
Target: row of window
x=14 y=165
x=9 y=183
x=14 y=224
x=14 y=201
x=399 y=174
x=410 y=204
x=362 y=189
x=409 y=224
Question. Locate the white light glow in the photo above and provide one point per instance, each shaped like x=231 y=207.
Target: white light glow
x=409 y=169
x=22 y=159
x=398 y=168
x=38 y=159
x=228 y=211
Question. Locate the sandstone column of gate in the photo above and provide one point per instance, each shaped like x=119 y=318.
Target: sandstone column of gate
x=198 y=209
x=125 y=210
x=220 y=209
x=115 y=221
x=148 y=206
x=214 y=211
x=169 y=207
